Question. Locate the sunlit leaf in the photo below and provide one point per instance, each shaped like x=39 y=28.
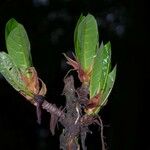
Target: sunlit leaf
x=86 y=41
x=100 y=69
x=11 y=73
x=18 y=44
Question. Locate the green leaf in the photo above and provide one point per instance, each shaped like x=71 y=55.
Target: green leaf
x=11 y=73
x=106 y=93
x=11 y=24
x=86 y=41
x=109 y=86
x=18 y=44
x=76 y=32
x=100 y=69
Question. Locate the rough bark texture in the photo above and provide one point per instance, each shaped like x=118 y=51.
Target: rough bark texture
x=72 y=117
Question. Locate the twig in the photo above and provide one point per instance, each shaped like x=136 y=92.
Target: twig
x=75 y=124
x=53 y=109
x=102 y=137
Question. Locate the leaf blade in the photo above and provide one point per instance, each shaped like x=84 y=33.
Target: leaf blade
x=11 y=73
x=86 y=41
x=100 y=69
x=75 y=34
x=109 y=86
x=10 y=25
x=106 y=93
x=18 y=44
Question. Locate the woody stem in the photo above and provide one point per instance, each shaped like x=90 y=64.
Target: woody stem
x=52 y=109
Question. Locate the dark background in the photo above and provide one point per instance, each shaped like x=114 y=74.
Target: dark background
x=50 y=25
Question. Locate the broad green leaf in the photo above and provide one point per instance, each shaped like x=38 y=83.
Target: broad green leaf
x=100 y=69
x=86 y=41
x=11 y=73
x=76 y=32
x=105 y=95
x=18 y=44
x=11 y=24
x=109 y=86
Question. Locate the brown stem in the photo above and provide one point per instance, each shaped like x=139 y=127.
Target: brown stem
x=53 y=109
x=102 y=137
x=74 y=120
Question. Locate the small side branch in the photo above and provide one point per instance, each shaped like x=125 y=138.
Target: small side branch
x=53 y=109
x=102 y=136
x=73 y=119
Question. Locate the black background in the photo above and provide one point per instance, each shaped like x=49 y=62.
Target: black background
x=50 y=28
